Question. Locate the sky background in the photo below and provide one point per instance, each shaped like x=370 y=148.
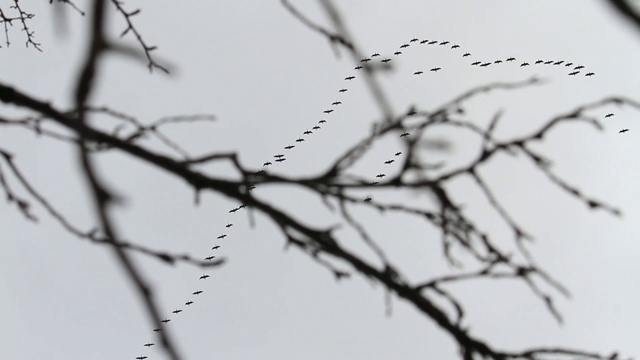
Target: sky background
x=267 y=78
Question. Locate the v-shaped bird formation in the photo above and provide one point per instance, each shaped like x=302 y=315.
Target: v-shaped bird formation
x=325 y=115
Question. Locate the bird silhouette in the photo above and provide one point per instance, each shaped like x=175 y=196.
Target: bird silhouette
x=215 y=247
x=475 y=63
x=432 y=42
x=281 y=159
x=165 y=321
x=455 y=46
x=404 y=134
x=350 y=77
x=209 y=258
x=568 y=64
x=316 y=127
x=278 y=155
x=236 y=209
x=289 y=147
x=404 y=46
x=228 y=225
x=198 y=292
x=548 y=62
x=205 y=276
x=578 y=67
x=397 y=53
x=141 y=357
x=374 y=55
x=299 y=140
x=511 y=59
x=435 y=69
x=558 y=62
x=389 y=162
x=623 y=131
x=149 y=344
x=539 y=61
x=188 y=303
x=574 y=73
x=424 y=41
x=267 y=163
x=608 y=116
x=365 y=60
x=589 y=74
x=368 y=199
x=177 y=311
x=336 y=103
x=524 y=64
x=358 y=67
x=222 y=236
x=380 y=176
x=498 y=61
x=417 y=73
x=485 y=64
x=444 y=43
x=328 y=111
x=385 y=61
x=157 y=330
x=413 y=40
x=398 y=153
x=342 y=90
x=307 y=132
x=466 y=54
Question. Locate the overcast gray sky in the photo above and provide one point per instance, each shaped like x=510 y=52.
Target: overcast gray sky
x=267 y=78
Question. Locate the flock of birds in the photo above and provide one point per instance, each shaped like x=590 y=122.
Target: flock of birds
x=279 y=158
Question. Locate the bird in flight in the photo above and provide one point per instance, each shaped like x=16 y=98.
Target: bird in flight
x=398 y=153
x=511 y=59
x=389 y=161
x=336 y=103
x=342 y=90
x=417 y=73
x=385 y=61
x=608 y=116
x=574 y=73
x=307 y=132
x=236 y=209
x=149 y=344
x=455 y=46
x=374 y=55
x=589 y=74
x=316 y=127
x=432 y=42
x=141 y=357
x=424 y=41
x=413 y=40
x=228 y=225
x=188 y=303
x=524 y=64
x=404 y=46
x=568 y=64
x=165 y=321
x=215 y=247
x=267 y=163
x=365 y=60
x=435 y=69
x=205 y=276
x=328 y=111
x=485 y=64
x=444 y=43
x=368 y=199
x=350 y=77
x=358 y=67
x=466 y=54
x=322 y=121
x=558 y=62
x=539 y=61
x=156 y=330
x=475 y=63
x=177 y=311
x=380 y=175
x=289 y=147
x=397 y=53
x=578 y=67
x=548 y=62
x=623 y=131
x=299 y=140
x=404 y=134
x=278 y=155
x=198 y=292
x=498 y=61
x=281 y=160
x=209 y=258
x=222 y=236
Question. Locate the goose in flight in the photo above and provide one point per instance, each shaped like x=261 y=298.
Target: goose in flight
x=177 y=311
x=424 y=41
x=608 y=116
x=485 y=64
x=568 y=64
x=589 y=74
x=358 y=67
x=336 y=103
x=404 y=134
x=278 y=155
x=385 y=61
x=432 y=42
x=267 y=163
x=299 y=140
x=435 y=69
x=350 y=77
x=398 y=153
x=374 y=55
x=328 y=111
x=289 y=147
x=548 y=62
x=558 y=62
x=281 y=160
x=322 y=121
x=165 y=321
x=539 y=61
x=524 y=64
x=342 y=90
x=380 y=176
x=498 y=61
x=466 y=54
x=389 y=161
x=397 y=53
x=316 y=127
x=417 y=73
x=623 y=131
x=455 y=46
x=188 y=303
x=205 y=276
x=414 y=40
x=511 y=59
x=157 y=330
x=228 y=225
x=215 y=247
x=368 y=199
x=404 y=46
x=365 y=60
x=222 y=236
x=141 y=357
x=444 y=43
x=149 y=344
x=475 y=63
x=209 y=258
x=236 y=209
x=574 y=73
x=578 y=67
x=307 y=132
x=198 y=292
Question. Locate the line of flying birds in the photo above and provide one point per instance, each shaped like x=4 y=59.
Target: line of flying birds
x=327 y=112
